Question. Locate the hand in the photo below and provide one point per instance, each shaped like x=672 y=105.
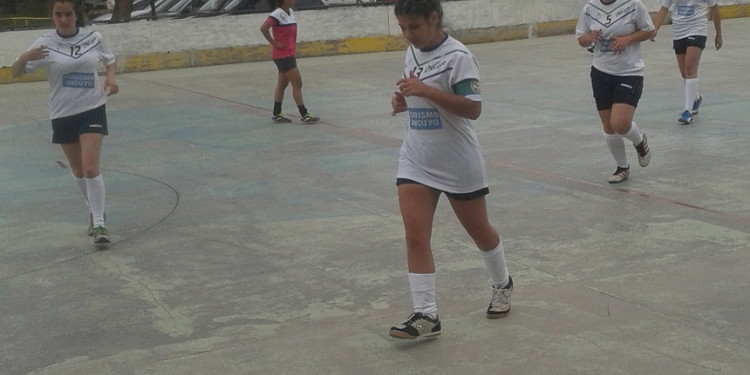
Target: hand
x=278 y=45
x=653 y=38
x=591 y=37
x=718 y=42
x=36 y=54
x=619 y=43
x=111 y=87
x=398 y=103
x=411 y=86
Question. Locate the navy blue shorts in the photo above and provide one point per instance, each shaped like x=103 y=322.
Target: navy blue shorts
x=285 y=64
x=457 y=196
x=610 y=89
x=66 y=130
x=681 y=45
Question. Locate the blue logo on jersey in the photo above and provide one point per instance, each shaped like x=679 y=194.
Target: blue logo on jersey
x=685 y=10
x=424 y=119
x=79 y=80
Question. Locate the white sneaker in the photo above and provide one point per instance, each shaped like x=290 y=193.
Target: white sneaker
x=500 y=303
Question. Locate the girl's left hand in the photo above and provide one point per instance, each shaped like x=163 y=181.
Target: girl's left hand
x=111 y=87
x=619 y=43
x=718 y=42
x=411 y=86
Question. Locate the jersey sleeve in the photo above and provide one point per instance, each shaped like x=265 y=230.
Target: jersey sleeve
x=464 y=77
x=643 y=18
x=666 y=3
x=582 y=27
x=105 y=55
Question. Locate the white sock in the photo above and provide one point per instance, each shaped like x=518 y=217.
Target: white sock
x=495 y=262
x=634 y=134
x=691 y=92
x=81 y=183
x=95 y=190
x=617 y=149
x=422 y=287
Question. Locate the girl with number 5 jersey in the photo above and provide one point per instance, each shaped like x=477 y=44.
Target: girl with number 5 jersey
x=617 y=28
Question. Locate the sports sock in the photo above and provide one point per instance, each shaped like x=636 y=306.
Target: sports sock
x=95 y=189
x=276 y=108
x=422 y=287
x=81 y=183
x=691 y=93
x=617 y=149
x=302 y=110
x=634 y=134
x=495 y=262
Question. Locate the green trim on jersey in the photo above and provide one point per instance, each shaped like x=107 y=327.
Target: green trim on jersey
x=467 y=87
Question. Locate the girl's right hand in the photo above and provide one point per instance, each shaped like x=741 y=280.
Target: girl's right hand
x=591 y=37
x=398 y=103
x=36 y=54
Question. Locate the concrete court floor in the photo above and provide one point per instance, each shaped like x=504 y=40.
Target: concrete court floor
x=245 y=247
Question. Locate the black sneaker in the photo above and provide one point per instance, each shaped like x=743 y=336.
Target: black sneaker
x=417 y=325
x=644 y=154
x=620 y=175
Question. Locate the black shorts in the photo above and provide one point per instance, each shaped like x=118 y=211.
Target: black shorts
x=457 y=196
x=610 y=89
x=66 y=130
x=285 y=64
x=681 y=45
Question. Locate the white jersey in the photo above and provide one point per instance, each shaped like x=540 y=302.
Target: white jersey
x=72 y=66
x=619 y=18
x=441 y=149
x=689 y=17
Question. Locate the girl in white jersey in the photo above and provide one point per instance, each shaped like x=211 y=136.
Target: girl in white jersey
x=689 y=34
x=72 y=55
x=440 y=154
x=617 y=27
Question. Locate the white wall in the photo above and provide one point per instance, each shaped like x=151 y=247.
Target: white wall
x=142 y=37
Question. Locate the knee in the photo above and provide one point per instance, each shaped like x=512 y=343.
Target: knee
x=485 y=237
x=90 y=171
x=621 y=127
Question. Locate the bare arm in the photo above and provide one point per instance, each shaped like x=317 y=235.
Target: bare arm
x=716 y=17
x=19 y=66
x=659 y=18
x=621 y=42
x=110 y=84
x=265 y=29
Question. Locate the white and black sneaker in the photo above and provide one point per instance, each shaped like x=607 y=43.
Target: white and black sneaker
x=417 y=325
x=644 y=153
x=620 y=175
x=500 y=303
